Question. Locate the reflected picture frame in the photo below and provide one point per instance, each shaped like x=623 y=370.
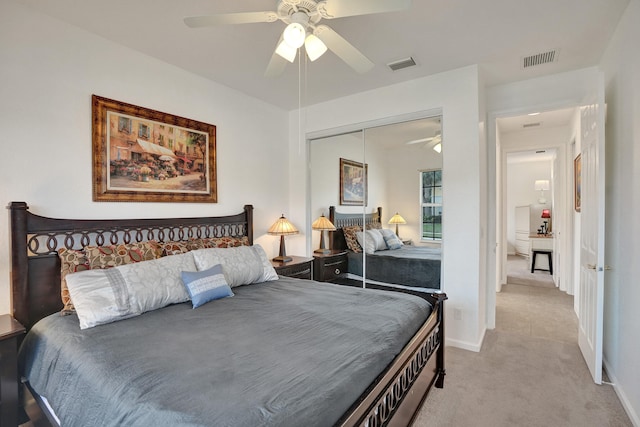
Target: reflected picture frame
x=144 y=155
x=353 y=183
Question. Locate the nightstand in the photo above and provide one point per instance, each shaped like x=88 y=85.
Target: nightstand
x=10 y=331
x=299 y=267
x=327 y=267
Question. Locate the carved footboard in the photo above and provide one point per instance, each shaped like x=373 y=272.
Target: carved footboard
x=396 y=397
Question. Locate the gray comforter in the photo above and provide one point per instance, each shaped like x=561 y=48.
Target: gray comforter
x=284 y=353
x=415 y=266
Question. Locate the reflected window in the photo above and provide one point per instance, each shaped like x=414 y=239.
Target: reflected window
x=431 y=197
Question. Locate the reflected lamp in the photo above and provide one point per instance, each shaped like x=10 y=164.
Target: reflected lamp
x=322 y=224
x=397 y=219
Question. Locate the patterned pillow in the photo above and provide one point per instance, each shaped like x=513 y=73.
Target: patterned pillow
x=98 y=257
x=224 y=242
x=180 y=247
x=207 y=285
x=374 y=226
x=123 y=254
x=71 y=261
x=350 y=237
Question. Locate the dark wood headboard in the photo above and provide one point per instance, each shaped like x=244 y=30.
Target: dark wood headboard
x=340 y=220
x=35 y=240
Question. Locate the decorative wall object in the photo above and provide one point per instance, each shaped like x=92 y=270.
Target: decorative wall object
x=577 y=181
x=353 y=183
x=143 y=155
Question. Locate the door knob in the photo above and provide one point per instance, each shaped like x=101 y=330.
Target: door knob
x=591 y=266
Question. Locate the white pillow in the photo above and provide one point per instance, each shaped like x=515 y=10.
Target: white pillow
x=373 y=242
x=107 y=295
x=378 y=238
x=242 y=265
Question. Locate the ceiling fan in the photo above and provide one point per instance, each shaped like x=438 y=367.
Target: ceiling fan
x=434 y=142
x=302 y=18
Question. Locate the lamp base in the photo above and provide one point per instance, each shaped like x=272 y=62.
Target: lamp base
x=283 y=258
x=322 y=251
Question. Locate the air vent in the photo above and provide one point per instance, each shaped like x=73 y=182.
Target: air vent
x=403 y=63
x=540 y=59
x=531 y=125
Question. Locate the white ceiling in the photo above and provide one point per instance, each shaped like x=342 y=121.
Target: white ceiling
x=439 y=35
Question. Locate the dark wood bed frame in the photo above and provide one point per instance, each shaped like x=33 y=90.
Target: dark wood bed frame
x=339 y=220
x=393 y=399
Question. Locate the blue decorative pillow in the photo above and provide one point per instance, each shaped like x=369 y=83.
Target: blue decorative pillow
x=207 y=285
x=390 y=238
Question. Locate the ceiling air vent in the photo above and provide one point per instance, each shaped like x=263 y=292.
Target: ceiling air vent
x=540 y=59
x=403 y=63
x=531 y=125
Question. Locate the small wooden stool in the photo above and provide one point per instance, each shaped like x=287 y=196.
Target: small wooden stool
x=548 y=253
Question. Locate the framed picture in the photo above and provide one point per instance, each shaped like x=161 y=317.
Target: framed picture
x=577 y=182
x=353 y=183
x=143 y=155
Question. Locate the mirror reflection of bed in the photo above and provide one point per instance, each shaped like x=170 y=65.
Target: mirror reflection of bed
x=404 y=176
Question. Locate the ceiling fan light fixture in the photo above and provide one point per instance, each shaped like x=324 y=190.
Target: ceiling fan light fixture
x=315 y=47
x=294 y=35
x=286 y=51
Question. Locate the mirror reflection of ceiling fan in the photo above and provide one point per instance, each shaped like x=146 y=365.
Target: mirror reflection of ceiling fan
x=434 y=142
x=302 y=18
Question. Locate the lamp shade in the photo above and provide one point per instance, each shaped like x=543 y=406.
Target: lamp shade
x=294 y=35
x=314 y=46
x=397 y=219
x=282 y=227
x=546 y=213
x=541 y=184
x=322 y=224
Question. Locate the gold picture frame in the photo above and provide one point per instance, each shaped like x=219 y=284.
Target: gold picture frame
x=143 y=155
x=353 y=183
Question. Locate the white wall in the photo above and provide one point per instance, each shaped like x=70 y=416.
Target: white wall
x=520 y=192
x=49 y=72
x=403 y=188
x=456 y=94
x=621 y=64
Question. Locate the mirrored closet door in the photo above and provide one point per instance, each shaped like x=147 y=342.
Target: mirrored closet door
x=382 y=188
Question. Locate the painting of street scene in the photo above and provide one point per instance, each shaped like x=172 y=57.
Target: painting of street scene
x=353 y=183
x=151 y=156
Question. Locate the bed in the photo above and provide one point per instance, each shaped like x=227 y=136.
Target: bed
x=156 y=368
x=412 y=266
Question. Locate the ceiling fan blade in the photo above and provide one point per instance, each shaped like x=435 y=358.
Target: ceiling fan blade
x=343 y=49
x=230 y=18
x=340 y=8
x=276 y=64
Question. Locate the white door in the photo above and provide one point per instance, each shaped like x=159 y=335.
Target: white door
x=591 y=295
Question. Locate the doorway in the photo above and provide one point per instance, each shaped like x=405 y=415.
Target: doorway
x=536 y=147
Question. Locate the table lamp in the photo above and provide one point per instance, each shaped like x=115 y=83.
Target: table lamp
x=397 y=219
x=282 y=227
x=322 y=224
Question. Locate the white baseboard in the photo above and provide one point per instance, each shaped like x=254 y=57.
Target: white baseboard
x=626 y=404
x=465 y=345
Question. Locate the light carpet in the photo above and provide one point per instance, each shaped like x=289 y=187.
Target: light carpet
x=519 y=273
x=529 y=372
